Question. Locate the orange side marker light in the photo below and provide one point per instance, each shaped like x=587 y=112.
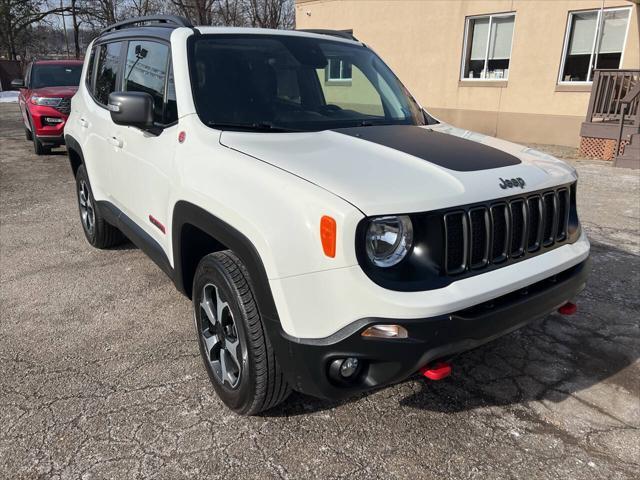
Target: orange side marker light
x=328 y=235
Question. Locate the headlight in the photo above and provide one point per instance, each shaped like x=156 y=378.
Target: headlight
x=46 y=101
x=389 y=239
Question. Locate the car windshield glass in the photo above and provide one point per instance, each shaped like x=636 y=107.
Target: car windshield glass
x=55 y=76
x=280 y=83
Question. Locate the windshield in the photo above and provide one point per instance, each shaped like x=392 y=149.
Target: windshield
x=55 y=76
x=291 y=83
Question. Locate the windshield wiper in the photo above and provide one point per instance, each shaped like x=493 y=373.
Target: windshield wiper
x=257 y=127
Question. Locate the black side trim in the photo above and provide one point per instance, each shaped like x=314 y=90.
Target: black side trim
x=445 y=150
x=136 y=234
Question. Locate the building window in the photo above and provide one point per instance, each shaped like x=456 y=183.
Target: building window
x=338 y=71
x=487 y=47
x=594 y=39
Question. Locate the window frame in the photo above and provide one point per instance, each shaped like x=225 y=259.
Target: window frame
x=337 y=81
x=467 y=51
x=597 y=39
x=89 y=75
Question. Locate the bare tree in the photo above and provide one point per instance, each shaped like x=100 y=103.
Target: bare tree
x=17 y=16
x=271 y=13
x=199 y=12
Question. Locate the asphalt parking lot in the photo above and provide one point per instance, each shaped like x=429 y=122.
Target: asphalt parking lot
x=100 y=375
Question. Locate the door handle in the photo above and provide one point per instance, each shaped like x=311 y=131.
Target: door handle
x=116 y=142
x=83 y=123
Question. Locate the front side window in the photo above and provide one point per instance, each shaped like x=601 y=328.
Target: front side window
x=487 y=47
x=279 y=82
x=107 y=71
x=595 y=39
x=146 y=71
x=44 y=75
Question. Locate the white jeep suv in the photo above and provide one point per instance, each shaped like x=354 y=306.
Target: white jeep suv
x=332 y=235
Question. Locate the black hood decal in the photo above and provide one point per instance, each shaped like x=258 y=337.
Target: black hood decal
x=445 y=150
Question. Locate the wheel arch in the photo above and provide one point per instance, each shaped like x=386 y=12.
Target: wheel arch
x=74 y=151
x=189 y=224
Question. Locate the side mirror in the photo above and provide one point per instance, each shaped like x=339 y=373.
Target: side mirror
x=133 y=109
x=17 y=83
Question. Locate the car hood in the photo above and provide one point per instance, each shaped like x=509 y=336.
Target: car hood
x=64 y=92
x=405 y=169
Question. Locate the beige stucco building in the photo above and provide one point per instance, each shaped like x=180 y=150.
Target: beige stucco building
x=518 y=69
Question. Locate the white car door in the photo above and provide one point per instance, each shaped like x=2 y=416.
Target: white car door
x=94 y=121
x=143 y=176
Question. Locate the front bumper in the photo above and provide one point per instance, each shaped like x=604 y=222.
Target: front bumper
x=384 y=362
x=47 y=132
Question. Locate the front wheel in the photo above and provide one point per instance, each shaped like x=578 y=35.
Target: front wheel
x=233 y=343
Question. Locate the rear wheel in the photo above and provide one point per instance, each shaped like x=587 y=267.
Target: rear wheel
x=97 y=230
x=233 y=343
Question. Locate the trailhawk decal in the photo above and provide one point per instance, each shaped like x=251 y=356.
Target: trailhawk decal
x=445 y=150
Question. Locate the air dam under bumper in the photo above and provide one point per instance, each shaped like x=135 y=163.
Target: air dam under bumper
x=384 y=362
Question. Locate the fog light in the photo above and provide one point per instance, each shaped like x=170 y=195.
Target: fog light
x=385 y=331
x=349 y=367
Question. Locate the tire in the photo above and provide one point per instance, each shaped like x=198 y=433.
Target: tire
x=254 y=381
x=27 y=134
x=98 y=232
x=39 y=148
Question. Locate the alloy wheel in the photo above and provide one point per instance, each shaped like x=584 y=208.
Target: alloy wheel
x=87 y=212
x=219 y=337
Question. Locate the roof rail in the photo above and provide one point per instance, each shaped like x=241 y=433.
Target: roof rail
x=348 y=34
x=171 y=21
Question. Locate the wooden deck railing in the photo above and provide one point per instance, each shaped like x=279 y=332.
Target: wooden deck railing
x=610 y=87
x=629 y=104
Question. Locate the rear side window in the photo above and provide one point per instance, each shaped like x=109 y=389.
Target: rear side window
x=146 y=71
x=107 y=71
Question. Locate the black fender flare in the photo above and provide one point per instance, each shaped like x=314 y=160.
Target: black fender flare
x=73 y=146
x=186 y=213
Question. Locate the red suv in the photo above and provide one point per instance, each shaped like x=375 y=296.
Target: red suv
x=45 y=100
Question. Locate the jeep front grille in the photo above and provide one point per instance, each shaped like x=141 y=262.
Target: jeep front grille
x=504 y=230
x=64 y=106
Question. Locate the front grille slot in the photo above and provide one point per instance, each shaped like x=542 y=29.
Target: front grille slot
x=500 y=233
x=534 y=234
x=518 y=227
x=456 y=234
x=563 y=215
x=549 y=215
x=479 y=234
x=64 y=106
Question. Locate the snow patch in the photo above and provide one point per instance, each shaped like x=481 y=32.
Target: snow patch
x=8 y=97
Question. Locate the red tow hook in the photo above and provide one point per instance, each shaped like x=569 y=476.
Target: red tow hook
x=568 y=308
x=438 y=371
